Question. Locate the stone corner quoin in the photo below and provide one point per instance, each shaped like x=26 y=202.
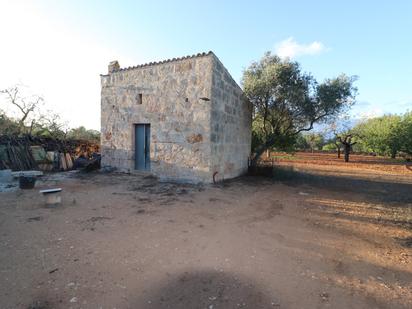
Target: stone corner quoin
x=199 y=119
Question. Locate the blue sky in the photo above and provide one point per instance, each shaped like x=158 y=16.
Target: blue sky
x=60 y=48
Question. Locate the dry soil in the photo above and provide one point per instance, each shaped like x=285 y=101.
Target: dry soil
x=128 y=241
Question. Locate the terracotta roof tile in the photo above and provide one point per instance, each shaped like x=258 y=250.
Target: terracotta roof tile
x=163 y=61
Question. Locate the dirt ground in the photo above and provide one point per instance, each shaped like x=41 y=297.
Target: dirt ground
x=128 y=241
x=359 y=165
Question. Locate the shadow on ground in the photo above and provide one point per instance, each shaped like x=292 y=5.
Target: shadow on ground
x=206 y=289
x=378 y=191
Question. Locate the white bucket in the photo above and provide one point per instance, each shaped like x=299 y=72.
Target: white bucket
x=52 y=197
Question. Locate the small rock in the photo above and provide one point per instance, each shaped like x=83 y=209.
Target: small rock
x=73 y=300
x=325 y=296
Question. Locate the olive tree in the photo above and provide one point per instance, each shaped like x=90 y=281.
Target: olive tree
x=315 y=141
x=26 y=115
x=405 y=132
x=381 y=135
x=25 y=105
x=288 y=101
x=346 y=140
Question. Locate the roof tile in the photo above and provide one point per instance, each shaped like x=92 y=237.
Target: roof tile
x=163 y=61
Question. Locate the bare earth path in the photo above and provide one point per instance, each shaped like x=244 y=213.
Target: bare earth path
x=123 y=241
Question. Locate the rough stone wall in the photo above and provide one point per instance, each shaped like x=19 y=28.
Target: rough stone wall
x=231 y=121
x=179 y=119
x=191 y=138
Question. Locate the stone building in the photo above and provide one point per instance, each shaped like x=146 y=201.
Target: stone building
x=182 y=119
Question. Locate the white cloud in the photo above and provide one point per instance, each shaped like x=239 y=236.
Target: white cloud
x=289 y=48
x=366 y=110
x=370 y=113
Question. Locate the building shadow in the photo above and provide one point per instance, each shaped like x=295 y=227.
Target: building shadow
x=378 y=191
x=385 y=191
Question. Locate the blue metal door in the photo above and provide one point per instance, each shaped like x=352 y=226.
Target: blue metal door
x=142 y=147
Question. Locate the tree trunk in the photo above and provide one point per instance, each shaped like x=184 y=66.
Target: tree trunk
x=258 y=153
x=261 y=149
x=347 y=152
x=393 y=154
x=338 y=152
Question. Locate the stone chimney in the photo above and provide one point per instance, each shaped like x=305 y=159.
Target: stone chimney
x=114 y=66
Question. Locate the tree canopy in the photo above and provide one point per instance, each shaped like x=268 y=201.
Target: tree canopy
x=26 y=117
x=84 y=134
x=288 y=101
x=385 y=135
